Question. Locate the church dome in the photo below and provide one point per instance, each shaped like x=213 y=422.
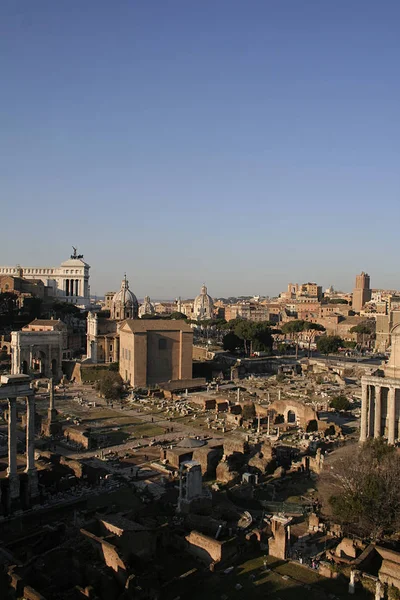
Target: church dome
x=146 y=308
x=203 y=305
x=124 y=305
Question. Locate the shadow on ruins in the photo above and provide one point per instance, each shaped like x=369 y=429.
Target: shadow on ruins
x=229 y=509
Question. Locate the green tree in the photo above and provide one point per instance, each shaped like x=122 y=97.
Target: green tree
x=368 y=498
x=8 y=308
x=245 y=331
x=366 y=329
x=233 y=322
x=312 y=426
x=329 y=344
x=110 y=385
x=350 y=345
x=340 y=403
x=60 y=309
x=262 y=337
x=294 y=329
x=231 y=342
x=220 y=324
x=312 y=330
x=178 y=315
x=33 y=307
x=281 y=348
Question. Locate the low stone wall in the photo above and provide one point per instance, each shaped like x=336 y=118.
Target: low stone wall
x=78 y=436
x=202 y=353
x=209 y=550
x=109 y=553
x=83 y=372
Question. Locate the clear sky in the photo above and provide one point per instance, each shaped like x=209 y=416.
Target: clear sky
x=241 y=143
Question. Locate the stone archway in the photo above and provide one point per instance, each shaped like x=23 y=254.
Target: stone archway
x=291 y=416
x=39 y=362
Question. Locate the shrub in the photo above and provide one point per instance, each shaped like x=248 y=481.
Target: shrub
x=312 y=426
x=110 y=385
x=339 y=403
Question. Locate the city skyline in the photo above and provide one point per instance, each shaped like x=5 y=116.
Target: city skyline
x=244 y=146
x=114 y=278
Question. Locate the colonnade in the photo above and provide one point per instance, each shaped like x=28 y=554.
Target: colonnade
x=72 y=287
x=12 y=474
x=15 y=384
x=379 y=409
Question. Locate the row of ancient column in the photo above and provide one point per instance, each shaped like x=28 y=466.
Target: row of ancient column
x=371 y=412
x=14 y=488
x=72 y=287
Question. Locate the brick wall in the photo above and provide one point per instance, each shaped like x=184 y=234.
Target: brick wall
x=208 y=549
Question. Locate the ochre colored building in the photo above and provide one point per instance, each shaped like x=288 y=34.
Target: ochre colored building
x=155 y=351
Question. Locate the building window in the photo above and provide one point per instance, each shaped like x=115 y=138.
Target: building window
x=110 y=359
x=162 y=344
x=110 y=347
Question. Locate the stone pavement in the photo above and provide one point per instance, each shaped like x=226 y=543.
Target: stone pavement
x=180 y=429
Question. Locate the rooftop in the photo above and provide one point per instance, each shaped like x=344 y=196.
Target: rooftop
x=141 y=326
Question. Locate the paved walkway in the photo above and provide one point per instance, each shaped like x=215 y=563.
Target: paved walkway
x=179 y=429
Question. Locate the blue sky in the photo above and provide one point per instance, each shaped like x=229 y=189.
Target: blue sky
x=244 y=144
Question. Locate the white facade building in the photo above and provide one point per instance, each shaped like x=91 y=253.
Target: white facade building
x=69 y=282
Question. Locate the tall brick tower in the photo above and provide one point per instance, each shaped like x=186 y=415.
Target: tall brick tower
x=362 y=292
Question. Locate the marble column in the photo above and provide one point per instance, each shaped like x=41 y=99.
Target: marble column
x=51 y=393
x=30 y=367
x=364 y=413
x=371 y=410
x=352 y=583
x=378 y=411
x=30 y=433
x=12 y=451
x=30 y=447
x=391 y=415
